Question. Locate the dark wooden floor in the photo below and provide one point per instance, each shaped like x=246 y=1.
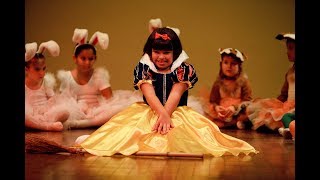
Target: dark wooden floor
x=275 y=160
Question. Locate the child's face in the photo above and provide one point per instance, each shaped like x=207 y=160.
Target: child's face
x=291 y=51
x=162 y=59
x=85 y=60
x=230 y=66
x=36 y=70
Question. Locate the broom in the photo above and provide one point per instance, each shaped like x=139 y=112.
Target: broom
x=39 y=144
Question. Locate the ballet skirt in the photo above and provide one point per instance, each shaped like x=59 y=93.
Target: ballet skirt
x=238 y=96
x=43 y=104
x=195 y=103
x=130 y=131
x=269 y=111
x=86 y=102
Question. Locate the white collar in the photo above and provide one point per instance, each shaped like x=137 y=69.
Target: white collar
x=182 y=58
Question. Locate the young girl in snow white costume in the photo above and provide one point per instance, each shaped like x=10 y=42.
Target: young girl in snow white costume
x=44 y=110
x=163 y=122
x=91 y=101
x=193 y=101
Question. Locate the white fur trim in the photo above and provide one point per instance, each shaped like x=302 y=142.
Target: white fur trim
x=154 y=24
x=80 y=36
x=182 y=58
x=100 y=38
x=239 y=54
x=176 y=30
x=50 y=80
x=102 y=74
x=283 y=36
x=62 y=75
x=51 y=46
x=146 y=60
x=31 y=49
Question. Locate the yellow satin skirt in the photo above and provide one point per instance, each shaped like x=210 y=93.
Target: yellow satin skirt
x=129 y=131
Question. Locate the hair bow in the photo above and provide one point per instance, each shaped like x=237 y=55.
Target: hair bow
x=163 y=36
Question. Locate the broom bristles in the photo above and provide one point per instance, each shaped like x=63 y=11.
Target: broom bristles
x=38 y=144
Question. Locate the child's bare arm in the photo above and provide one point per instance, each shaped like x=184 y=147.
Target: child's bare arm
x=177 y=90
x=106 y=93
x=163 y=123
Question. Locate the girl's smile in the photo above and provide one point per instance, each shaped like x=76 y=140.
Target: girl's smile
x=162 y=59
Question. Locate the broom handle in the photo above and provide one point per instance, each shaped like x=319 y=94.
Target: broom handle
x=169 y=154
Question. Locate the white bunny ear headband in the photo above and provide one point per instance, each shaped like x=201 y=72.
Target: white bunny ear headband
x=176 y=30
x=31 y=49
x=80 y=37
x=154 y=24
x=286 y=36
x=236 y=52
x=157 y=23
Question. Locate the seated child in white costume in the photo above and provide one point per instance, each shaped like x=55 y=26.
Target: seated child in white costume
x=43 y=110
x=91 y=100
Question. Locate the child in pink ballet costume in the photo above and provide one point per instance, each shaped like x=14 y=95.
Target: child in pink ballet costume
x=43 y=109
x=91 y=100
x=269 y=112
x=231 y=91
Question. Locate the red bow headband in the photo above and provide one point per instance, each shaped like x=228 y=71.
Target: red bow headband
x=163 y=36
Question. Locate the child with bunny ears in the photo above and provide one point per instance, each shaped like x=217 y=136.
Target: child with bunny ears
x=91 y=99
x=43 y=109
x=230 y=92
x=163 y=122
x=277 y=113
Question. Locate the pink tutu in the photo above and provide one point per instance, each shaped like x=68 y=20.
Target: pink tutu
x=268 y=112
x=100 y=113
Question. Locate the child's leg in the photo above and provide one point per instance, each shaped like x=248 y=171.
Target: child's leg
x=292 y=127
x=101 y=118
x=241 y=119
x=58 y=113
x=95 y=118
x=33 y=123
x=287 y=118
x=77 y=124
x=103 y=114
